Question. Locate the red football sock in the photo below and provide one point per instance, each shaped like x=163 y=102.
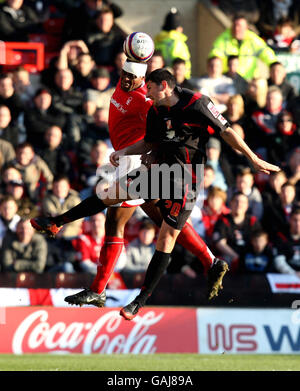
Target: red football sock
x=109 y=255
x=190 y=240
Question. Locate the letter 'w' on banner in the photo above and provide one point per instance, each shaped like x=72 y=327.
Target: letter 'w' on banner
x=2 y=53
x=2 y=315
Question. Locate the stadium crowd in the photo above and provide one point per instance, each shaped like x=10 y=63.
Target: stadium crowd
x=54 y=139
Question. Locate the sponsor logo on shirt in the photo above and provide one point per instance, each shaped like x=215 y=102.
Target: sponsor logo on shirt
x=129 y=100
x=222 y=119
x=118 y=106
x=212 y=108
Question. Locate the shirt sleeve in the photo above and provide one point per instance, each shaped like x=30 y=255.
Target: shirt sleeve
x=214 y=118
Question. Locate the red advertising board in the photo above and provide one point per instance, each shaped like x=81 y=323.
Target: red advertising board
x=90 y=330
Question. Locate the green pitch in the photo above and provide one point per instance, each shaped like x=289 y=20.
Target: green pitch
x=156 y=362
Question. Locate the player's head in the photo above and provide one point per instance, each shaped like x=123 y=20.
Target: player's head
x=132 y=75
x=160 y=86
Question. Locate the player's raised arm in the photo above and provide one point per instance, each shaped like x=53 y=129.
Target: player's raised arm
x=236 y=142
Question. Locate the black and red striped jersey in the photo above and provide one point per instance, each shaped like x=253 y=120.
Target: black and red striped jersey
x=183 y=130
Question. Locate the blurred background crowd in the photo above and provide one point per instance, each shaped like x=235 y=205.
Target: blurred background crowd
x=54 y=139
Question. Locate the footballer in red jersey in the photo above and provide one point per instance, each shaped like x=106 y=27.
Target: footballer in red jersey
x=127 y=126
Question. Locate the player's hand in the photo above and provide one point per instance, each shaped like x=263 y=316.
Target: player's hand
x=114 y=158
x=261 y=165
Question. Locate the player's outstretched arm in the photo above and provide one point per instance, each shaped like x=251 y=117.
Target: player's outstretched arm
x=236 y=142
x=139 y=148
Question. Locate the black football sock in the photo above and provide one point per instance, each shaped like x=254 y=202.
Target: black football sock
x=87 y=207
x=155 y=271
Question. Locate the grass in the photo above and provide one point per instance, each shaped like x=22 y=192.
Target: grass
x=156 y=362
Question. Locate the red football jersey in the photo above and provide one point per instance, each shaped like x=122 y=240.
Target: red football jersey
x=127 y=116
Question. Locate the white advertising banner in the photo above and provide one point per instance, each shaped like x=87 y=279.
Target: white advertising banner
x=284 y=283
x=223 y=330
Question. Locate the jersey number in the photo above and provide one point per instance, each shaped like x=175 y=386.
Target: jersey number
x=175 y=207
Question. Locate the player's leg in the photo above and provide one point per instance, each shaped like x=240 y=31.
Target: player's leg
x=116 y=219
x=157 y=266
x=88 y=207
x=188 y=237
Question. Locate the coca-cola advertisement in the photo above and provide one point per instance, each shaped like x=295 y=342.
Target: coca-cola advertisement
x=90 y=330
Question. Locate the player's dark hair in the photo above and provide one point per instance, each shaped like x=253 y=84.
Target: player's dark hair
x=160 y=75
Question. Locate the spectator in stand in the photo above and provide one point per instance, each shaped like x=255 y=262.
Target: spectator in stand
x=25 y=250
x=26 y=208
x=222 y=170
x=255 y=97
x=60 y=199
x=232 y=232
x=65 y=99
x=9 y=97
x=248 y=7
x=258 y=255
x=245 y=184
x=171 y=41
x=35 y=172
x=7 y=151
x=239 y=40
x=287 y=254
x=62 y=256
x=98 y=130
x=104 y=38
x=115 y=74
x=216 y=85
x=140 y=250
x=235 y=158
x=79 y=20
x=69 y=53
x=265 y=121
x=83 y=71
x=278 y=78
x=273 y=188
x=101 y=89
x=214 y=207
x=41 y=116
x=284 y=140
x=8 y=216
x=179 y=71
x=284 y=38
x=293 y=170
x=22 y=84
x=235 y=112
x=240 y=84
x=155 y=62
x=9 y=173
x=271 y=11
x=53 y=153
x=88 y=245
x=17 y=21
x=8 y=130
x=276 y=216
x=90 y=169
x=196 y=215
